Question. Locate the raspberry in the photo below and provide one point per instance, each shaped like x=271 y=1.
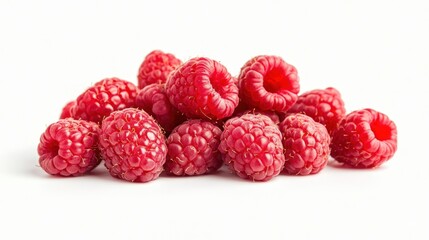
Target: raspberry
x=268 y=83
x=364 y=139
x=104 y=97
x=192 y=148
x=251 y=146
x=153 y=99
x=68 y=147
x=202 y=88
x=156 y=67
x=272 y=115
x=306 y=145
x=132 y=145
x=323 y=105
x=68 y=110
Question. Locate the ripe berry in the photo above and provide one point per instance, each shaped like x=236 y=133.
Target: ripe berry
x=203 y=88
x=156 y=67
x=323 y=105
x=306 y=145
x=132 y=145
x=251 y=146
x=104 y=97
x=153 y=99
x=68 y=147
x=268 y=83
x=364 y=139
x=271 y=114
x=67 y=110
x=193 y=148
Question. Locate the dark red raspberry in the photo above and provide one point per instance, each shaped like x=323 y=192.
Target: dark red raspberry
x=68 y=147
x=203 y=88
x=156 y=67
x=68 y=110
x=104 y=97
x=132 y=145
x=323 y=105
x=251 y=145
x=153 y=99
x=268 y=83
x=364 y=139
x=306 y=145
x=193 y=148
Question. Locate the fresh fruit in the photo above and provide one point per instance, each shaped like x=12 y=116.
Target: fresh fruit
x=153 y=99
x=364 y=139
x=271 y=114
x=251 y=146
x=193 y=148
x=306 y=145
x=104 y=97
x=156 y=67
x=132 y=145
x=323 y=105
x=67 y=110
x=68 y=147
x=203 y=88
x=268 y=83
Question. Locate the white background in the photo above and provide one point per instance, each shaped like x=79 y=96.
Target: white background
x=374 y=52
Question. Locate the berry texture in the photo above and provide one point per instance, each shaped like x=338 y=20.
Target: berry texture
x=68 y=147
x=67 y=110
x=104 y=97
x=364 y=139
x=268 y=83
x=251 y=146
x=156 y=67
x=193 y=148
x=271 y=114
x=132 y=145
x=306 y=145
x=323 y=105
x=153 y=99
x=203 y=88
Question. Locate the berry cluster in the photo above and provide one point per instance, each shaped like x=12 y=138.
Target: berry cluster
x=190 y=118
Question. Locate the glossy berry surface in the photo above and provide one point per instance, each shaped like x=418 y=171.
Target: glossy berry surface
x=364 y=139
x=203 y=88
x=193 y=148
x=251 y=146
x=132 y=145
x=268 y=83
x=69 y=147
x=154 y=100
x=306 y=145
x=323 y=105
x=104 y=97
x=156 y=67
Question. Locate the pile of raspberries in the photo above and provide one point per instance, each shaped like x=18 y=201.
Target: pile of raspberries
x=190 y=118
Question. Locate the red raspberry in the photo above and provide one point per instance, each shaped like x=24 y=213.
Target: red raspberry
x=268 y=83
x=202 y=88
x=67 y=110
x=306 y=145
x=156 y=67
x=153 y=99
x=132 y=145
x=104 y=97
x=323 y=105
x=251 y=146
x=192 y=148
x=271 y=114
x=68 y=147
x=364 y=139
